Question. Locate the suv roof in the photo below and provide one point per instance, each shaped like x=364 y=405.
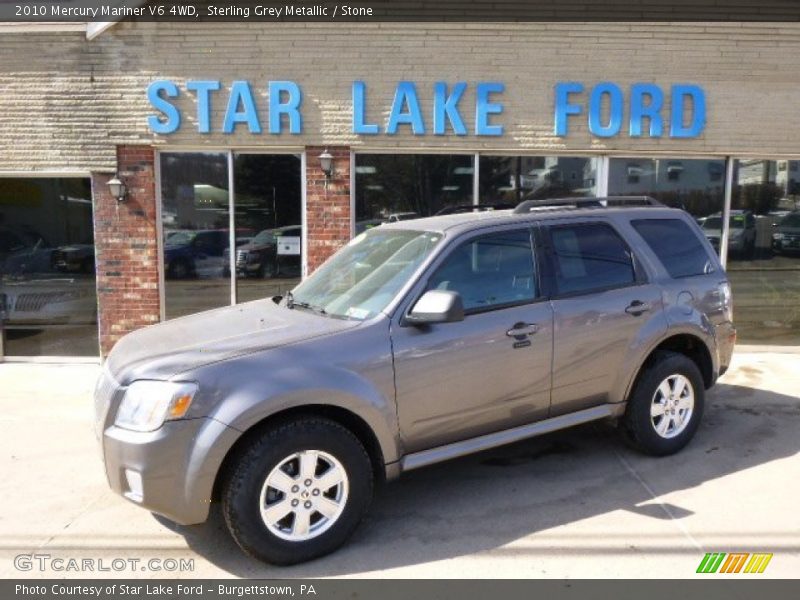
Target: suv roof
x=538 y=210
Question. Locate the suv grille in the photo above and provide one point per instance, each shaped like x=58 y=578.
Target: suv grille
x=241 y=258
x=34 y=302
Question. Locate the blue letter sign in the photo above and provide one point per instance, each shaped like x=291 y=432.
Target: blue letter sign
x=203 y=89
x=484 y=108
x=646 y=102
x=678 y=129
x=290 y=108
x=445 y=108
x=406 y=95
x=359 y=110
x=172 y=115
x=563 y=106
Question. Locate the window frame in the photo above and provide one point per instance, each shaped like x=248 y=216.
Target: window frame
x=639 y=273
x=229 y=152
x=421 y=286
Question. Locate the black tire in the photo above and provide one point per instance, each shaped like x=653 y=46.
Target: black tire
x=87 y=265
x=179 y=269
x=638 y=427
x=750 y=250
x=242 y=488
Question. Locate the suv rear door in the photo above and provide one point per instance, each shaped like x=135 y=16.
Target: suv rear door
x=490 y=371
x=602 y=303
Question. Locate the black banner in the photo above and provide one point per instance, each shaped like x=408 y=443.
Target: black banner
x=366 y=589
x=25 y=11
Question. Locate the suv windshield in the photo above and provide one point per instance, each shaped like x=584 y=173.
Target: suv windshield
x=362 y=278
x=180 y=238
x=265 y=237
x=790 y=220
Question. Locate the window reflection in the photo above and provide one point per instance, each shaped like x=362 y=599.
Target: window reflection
x=507 y=181
x=766 y=277
x=697 y=186
x=396 y=187
x=195 y=220
x=268 y=209
x=48 y=301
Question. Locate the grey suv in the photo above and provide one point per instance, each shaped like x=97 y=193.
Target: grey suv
x=418 y=342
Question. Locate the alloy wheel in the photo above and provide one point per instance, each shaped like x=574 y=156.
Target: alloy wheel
x=672 y=406
x=304 y=495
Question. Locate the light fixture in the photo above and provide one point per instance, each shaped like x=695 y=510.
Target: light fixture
x=326 y=163
x=117 y=189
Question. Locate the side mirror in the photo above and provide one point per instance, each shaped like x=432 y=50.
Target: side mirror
x=437 y=306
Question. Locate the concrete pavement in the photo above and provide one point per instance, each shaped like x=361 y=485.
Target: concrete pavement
x=572 y=504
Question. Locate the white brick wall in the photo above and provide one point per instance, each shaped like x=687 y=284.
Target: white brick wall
x=65 y=102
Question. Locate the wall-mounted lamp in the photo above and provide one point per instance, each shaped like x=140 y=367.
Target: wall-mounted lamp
x=326 y=163
x=117 y=189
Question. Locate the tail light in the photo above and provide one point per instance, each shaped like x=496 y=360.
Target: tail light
x=726 y=300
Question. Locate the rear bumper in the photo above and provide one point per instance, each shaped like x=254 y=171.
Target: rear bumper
x=726 y=340
x=170 y=471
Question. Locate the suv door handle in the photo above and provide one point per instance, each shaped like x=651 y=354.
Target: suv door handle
x=521 y=330
x=637 y=307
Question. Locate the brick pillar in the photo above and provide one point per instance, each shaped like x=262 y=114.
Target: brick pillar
x=327 y=204
x=126 y=247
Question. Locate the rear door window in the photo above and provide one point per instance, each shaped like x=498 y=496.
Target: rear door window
x=678 y=248
x=589 y=257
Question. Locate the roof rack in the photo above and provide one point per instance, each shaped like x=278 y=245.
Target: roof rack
x=584 y=202
x=465 y=208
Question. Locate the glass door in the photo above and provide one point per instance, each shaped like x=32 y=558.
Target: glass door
x=48 y=298
x=268 y=214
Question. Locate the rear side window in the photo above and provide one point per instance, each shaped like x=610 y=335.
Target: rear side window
x=590 y=256
x=678 y=247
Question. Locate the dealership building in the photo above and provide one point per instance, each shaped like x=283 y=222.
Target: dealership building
x=150 y=170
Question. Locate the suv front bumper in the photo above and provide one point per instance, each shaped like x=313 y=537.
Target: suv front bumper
x=170 y=471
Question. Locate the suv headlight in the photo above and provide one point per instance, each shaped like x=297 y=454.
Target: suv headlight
x=147 y=404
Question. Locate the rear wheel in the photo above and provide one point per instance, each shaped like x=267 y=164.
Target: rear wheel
x=178 y=269
x=665 y=406
x=298 y=491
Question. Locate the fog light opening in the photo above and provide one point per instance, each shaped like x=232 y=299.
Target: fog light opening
x=135 y=489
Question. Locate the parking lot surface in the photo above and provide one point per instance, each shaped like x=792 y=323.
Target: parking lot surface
x=572 y=504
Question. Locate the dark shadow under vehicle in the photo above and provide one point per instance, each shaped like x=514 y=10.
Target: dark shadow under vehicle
x=482 y=503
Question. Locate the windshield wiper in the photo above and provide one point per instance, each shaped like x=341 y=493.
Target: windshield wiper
x=291 y=303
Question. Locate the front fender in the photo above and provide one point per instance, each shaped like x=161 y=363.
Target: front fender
x=351 y=371
x=328 y=386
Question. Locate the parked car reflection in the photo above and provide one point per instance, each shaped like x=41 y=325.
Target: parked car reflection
x=742 y=231
x=43 y=301
x=786 y=237
x=74 y=258
x=271 y=253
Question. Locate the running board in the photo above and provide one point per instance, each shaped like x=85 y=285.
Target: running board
x=501 y=438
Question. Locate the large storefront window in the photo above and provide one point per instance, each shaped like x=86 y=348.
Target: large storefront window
x=764 y=250
x=391 y=187
x=48 y=300
x=196 y=225
x=196 y=209
x=696 y=186
x=508 y=180
x=268 y=211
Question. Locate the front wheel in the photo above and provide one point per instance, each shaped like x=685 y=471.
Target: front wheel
x=665 y=406
x=298 y=491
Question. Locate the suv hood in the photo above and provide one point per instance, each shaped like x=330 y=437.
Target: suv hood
x=165 y=350
x=251 y=247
